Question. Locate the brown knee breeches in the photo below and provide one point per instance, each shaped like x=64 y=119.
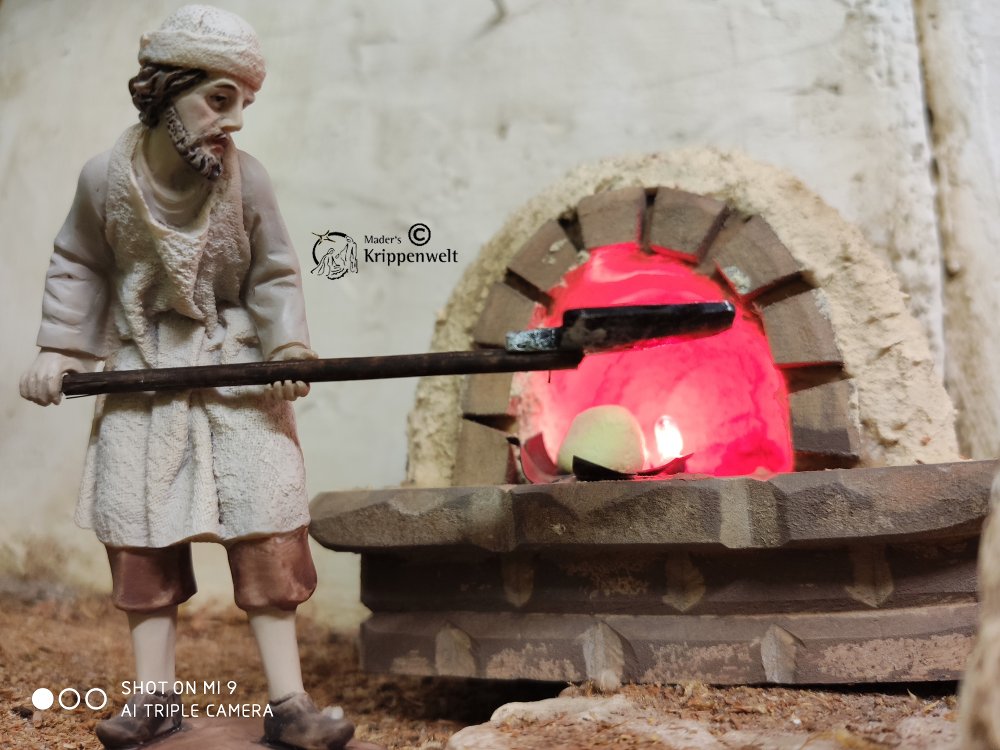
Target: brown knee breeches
x=272 y=571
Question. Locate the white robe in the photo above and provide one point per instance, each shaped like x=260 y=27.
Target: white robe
x=203 y=464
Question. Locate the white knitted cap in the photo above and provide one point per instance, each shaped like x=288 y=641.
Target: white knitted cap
x=200 y=36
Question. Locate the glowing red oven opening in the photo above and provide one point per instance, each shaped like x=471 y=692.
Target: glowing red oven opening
x=719 y=398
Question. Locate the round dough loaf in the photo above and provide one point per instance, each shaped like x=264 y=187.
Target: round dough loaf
x=607 y=435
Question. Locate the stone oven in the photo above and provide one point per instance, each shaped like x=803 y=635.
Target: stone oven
x=826 y=529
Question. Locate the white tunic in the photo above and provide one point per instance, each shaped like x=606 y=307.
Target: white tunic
x=163 y=468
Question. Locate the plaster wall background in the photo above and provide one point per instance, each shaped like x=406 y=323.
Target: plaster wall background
x=376 y=115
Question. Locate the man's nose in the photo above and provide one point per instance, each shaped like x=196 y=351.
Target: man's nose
x=232 y=120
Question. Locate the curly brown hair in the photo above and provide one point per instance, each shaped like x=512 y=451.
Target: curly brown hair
x=156 y=86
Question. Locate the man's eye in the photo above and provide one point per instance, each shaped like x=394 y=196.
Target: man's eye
x=219 y=100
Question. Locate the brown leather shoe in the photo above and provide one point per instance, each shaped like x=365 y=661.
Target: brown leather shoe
x=146 y=717
x=296 y=722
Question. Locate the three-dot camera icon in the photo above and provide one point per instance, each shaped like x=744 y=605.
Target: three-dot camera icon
x=69 y=699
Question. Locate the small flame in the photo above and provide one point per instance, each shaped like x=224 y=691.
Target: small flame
x=669 y=441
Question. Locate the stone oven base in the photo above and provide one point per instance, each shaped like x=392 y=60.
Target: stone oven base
x=906 y=645
x=644 y=582
x=851 y=575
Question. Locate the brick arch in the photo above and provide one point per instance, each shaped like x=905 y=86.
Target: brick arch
x=739 y=250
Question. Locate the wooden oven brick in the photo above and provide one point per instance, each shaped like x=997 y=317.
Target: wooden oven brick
x=899 y=503
x=484 y=456
x=488 y=395
x=612 y=217
x=505 y=310
x=824 y=422
x=683 y=223
x=945 y=572
x=381 y=521
x=546 y=257
x=799 y=331
x=752 y=259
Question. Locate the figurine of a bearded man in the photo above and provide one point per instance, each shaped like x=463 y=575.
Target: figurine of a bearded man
x=174 y=254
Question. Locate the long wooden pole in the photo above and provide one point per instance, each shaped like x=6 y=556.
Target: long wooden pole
x=317 y=370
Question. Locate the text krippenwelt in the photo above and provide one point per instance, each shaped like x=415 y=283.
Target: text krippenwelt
x=382 y=250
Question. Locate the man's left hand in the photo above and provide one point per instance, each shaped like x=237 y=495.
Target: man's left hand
x=289 y=390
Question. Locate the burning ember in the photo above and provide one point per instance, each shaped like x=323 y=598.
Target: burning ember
x=719 y=398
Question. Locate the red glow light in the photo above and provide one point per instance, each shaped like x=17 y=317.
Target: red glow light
x=718 y=397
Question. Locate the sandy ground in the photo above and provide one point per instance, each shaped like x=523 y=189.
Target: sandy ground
x=59 y=640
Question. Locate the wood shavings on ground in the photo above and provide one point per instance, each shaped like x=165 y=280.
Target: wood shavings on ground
x=65 y=641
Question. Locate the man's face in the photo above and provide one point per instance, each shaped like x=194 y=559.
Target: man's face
x=201 y=119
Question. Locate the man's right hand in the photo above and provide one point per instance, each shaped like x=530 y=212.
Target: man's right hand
x=42 y=382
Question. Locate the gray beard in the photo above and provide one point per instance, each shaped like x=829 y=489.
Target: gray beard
x=189 y=147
